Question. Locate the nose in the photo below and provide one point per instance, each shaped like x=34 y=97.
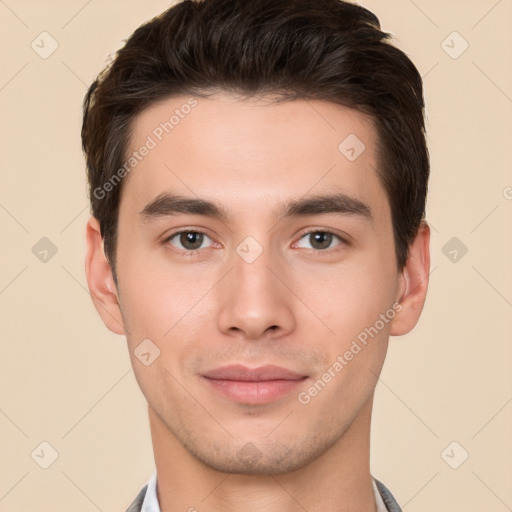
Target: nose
x=254 y=299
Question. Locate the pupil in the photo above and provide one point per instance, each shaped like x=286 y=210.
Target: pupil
x=195 y=239
x=320 y=237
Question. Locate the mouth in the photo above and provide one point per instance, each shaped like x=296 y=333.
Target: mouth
x=255 y=386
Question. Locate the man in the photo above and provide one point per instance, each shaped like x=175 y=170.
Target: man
x=258 y=174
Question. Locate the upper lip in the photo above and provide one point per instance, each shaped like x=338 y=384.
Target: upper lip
x=239 y=372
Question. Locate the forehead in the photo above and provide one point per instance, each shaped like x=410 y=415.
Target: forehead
x=253 y=149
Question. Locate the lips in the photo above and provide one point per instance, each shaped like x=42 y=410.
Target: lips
x=254 y=386
x=243 y=374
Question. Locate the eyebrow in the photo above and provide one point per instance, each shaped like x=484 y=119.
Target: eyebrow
x=166 y=204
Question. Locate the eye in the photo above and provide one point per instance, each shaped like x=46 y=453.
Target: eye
x=188 y=241
x=321 y=240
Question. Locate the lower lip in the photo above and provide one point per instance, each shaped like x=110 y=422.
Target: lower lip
x=262 y=392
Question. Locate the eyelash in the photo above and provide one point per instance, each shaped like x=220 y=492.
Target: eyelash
x=317 y=252
x=326 y=252
x=184 y=252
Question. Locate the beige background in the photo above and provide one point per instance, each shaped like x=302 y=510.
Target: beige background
x=67 y=381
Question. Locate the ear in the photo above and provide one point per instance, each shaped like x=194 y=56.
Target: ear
x=413 y=283
x=101 y=284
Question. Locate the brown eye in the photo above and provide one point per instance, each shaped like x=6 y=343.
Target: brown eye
x=321 y=240
x=188 y=240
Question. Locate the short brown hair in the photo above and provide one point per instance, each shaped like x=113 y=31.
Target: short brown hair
x=296 y=49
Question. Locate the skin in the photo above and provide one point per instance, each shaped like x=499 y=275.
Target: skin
x=296 y=306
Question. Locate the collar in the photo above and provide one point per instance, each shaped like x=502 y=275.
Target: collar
x=150 y=503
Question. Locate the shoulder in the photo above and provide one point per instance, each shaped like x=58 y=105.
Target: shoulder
x=137 y=502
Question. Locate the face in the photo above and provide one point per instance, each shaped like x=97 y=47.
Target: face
x=298 y=272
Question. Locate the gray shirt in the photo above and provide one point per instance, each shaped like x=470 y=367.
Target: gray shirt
x=147 y=501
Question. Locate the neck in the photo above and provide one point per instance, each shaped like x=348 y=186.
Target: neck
x=338 y=480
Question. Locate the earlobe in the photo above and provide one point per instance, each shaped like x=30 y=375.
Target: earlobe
x=100 y=280
x=414 y=283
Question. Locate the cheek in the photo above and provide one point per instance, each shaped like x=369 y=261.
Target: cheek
x=352 y=306
x=158 y=299
x=349 y=297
